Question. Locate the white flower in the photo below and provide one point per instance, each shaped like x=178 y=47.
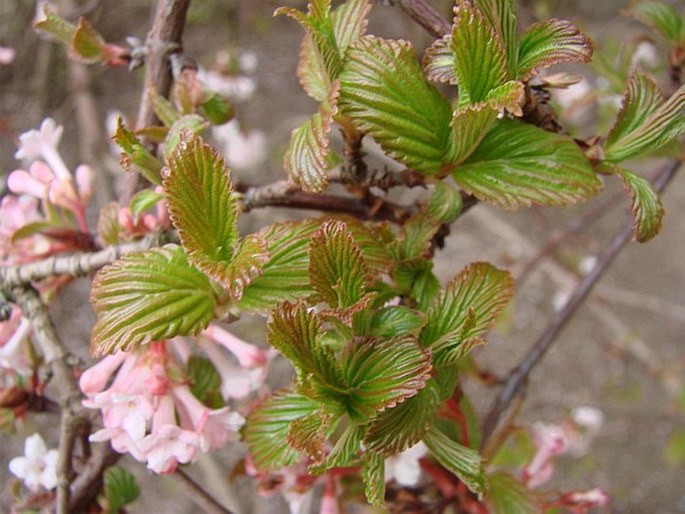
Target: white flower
x=237 y=88
x=6 y=55
x=38 y=466
x=241 y=150
x=37 y=144
x=405 y=467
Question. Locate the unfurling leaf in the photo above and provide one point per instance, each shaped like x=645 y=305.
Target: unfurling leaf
x=267 y=427
x=645 y=204
x=374 y=385
x=136 y=154
x=507 y=495
x=55 y=26
x=464 y=462
x=344 y=452
x=185 y=127
x=120 y=488
x=399 y=428
x=308 y=434
x=147 y=297
x=144 y=200
x=373 y=474
x=164 y=109
x=384 y=92
x=87 y=43
x=480 y=62
x=396 y=321
x=467 y=308
x=336 y=268
x=444 y=204
x=646 y=122
x=109 y=227
x=518 y=164
x=438 y=61
x=205 y=381
x=203 y=207
x=246 y=265
x=663 y=18
x=217 y=109
x=306 y=160
x=551 y=42
x=501 y=14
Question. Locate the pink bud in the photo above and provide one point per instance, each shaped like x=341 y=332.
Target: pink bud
x=85 y=177
x=95 y=378
x=21 y=182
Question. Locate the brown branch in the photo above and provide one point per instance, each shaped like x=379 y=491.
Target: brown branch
x=58 y=361
x=197 y=494
x=423 y=14
x=87 y=484
x=163 y=40
x=518 y=377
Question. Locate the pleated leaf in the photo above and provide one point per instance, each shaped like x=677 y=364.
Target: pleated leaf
x=373 y=474
x=464 y=462
x=399 y=428
x=645 y=123
x=663 y=18
x=309 y=433
x=349 y=22
x=344 y=453
x=246 y=265
x=396 y=321
x=267 y=427
x=384 y=92
x=518 y=164
x=551 y=42
x=501 y=14
x=311 y=71
x=467 y=307
x=203 y=207
x=507 y=495
x=147 y=297
x=373 y=383
x=445 y=203
x=480 y=61
x=438 y=61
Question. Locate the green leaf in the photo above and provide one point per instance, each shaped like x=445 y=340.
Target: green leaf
x=507 y=495
x=464 y=462
x=306 y=160
x=336 y=268
x=373 y=474
x=373 y=385
x=203 y=207
x=121 y=488
x=468 y=307
x=343 y=453
x=164 y=109
x=645 y=204
x=501 y=14
x=54 y=25
x=645 y=122
x=480 y=62
x=415 y=239
x=149 y=296
x=385 y=94
x=184 y=128
x=417 y=278
x=518 y=164
x=399 y=428
x=108 y=224
x=444 y=204
x=308 y=434
x=349 y=22
x=144 y=200
x=267 y=427
x=246 y=265
x=296 y=333
x=551 y=42
x=31 y=229
x=87 y=42
x=662 y=18
x=674 y=453
x=438 y=61
x=205 y=381
x=396 y=321
x=311 y=71
x=136 y=154
x=286 y=275
x=217 y=109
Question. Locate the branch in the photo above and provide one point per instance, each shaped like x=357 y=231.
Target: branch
x=199 y=496
x=57 y=359
x=423 y=14
x=89 y=480
x=518 y=377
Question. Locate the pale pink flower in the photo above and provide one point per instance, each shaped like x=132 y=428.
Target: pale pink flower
x=551 y=440
x=14 y=335
x=587 y=499
x=237 y=88
x=405 y=467
x=38 y=466
x=42 y=144
x=242 y=150
x=7 y=55
x=15 y=213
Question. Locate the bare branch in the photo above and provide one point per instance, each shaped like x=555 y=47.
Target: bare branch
x=518 y=377
x=87 y=484
x=199 y=496
x=423 y=14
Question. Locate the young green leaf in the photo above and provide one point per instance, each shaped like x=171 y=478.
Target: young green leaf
x=58 y=27
x=645 y=204
x=311 y=71
x=645 y=122
x=147 y=297
x=399 y=428
x=296 y=333
x=373 y=474
x=506 y=495
x=396 y=321
x=120 y=488
x=136 y=154
x=246 y=265
x=87 y=43
x=144 y=200
x=373 y=385
x=309 y=433
x=109 y=227
x=551 y=42
x=267 y=427
x=349 y=23
x=444 y=204
x=438 y=61
x=480 y=62
x=464 y=462
x=336 y=266
x=518 y=164
x=203 y=207
x=385 y=94
x=164 y=109
x=205 y=381
x=501 y=14
x=468 y=306
x=183 y=128
x=417 y=279
x=306 y=160
x=344 y=452
x=663 y=18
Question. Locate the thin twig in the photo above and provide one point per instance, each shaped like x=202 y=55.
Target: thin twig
x=423 y=14
x=198 y=495
x=518 y=376
x=87 y=484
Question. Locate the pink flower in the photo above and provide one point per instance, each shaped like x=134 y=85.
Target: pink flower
x=14 y=334
x=551 y=440
x=42 y=144
x=586 y=499
x=7 y=55
x=38 y=466
x=15 y=213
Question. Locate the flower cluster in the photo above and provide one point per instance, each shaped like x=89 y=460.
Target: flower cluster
x=149 y=409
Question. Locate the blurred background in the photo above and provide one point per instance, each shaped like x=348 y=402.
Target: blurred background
x=622 y=355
